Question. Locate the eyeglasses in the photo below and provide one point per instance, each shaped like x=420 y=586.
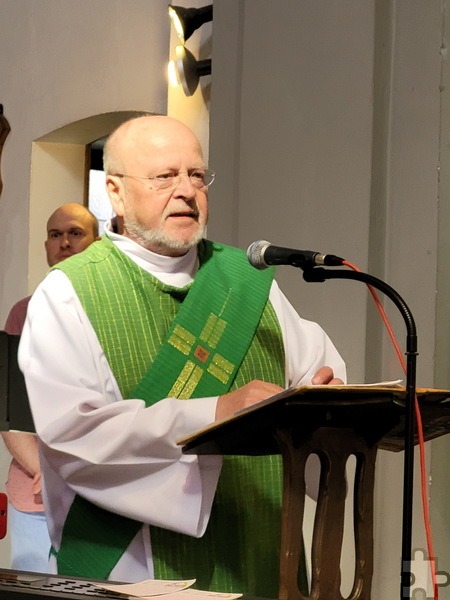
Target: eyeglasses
x=200 y=178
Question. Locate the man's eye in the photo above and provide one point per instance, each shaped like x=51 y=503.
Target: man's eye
x=54 y=235
x=76 y=233
x=165 y=176
x=198 y=175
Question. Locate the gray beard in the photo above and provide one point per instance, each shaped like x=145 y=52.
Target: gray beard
x=157 y=240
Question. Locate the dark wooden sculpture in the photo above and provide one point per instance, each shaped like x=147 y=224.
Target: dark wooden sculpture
x=4 y=130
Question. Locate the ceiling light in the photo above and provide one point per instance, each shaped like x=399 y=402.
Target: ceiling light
x=187 y=20
x=189 y=69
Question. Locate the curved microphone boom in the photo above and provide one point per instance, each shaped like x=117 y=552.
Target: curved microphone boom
x=262 y=254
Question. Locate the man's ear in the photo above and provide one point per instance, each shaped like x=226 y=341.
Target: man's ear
x=114 y=187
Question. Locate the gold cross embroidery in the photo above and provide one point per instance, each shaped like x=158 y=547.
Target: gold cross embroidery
x=186 y=343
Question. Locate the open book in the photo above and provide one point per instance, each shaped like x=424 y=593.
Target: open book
x=165 y=590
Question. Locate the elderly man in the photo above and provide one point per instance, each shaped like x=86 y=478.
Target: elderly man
x=70 y=229
x=156 y=332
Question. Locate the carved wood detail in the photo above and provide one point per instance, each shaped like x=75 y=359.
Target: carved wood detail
x=4 y=130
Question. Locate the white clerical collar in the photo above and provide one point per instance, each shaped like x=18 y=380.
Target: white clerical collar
x=177 y=271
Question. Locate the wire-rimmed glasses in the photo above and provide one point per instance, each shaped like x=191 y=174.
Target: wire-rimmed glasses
x=200 y=179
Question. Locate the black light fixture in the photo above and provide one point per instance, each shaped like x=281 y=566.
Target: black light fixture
x=187 y=20
x=187 y=70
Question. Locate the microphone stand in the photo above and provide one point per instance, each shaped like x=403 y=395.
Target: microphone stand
x=318 y=274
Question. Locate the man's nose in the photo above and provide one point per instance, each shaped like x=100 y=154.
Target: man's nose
x=184 y=186
x=65 y=240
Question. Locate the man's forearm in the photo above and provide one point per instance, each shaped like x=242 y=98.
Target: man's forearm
x=23 y=447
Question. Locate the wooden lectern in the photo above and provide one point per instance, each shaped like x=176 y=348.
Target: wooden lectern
x=333 y=422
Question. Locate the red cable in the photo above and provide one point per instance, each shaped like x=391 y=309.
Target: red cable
x=419 y=432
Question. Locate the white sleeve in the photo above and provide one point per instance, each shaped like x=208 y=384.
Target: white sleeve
x=307 y=347
x=116 y=453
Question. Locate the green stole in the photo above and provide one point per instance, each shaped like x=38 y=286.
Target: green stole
x=207 y=347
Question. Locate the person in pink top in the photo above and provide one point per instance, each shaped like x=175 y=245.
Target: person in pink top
x=70 y=229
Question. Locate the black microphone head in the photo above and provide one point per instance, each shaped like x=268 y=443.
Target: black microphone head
x=255 y=254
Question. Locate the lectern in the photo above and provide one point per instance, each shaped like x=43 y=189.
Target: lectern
x=333 y=422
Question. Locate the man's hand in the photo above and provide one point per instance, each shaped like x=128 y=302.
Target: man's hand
x=36 y=488
x=247 y=395
x=257 y=390
x=325 y=376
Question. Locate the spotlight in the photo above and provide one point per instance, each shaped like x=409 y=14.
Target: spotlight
x=188 y=69
x=187 y=20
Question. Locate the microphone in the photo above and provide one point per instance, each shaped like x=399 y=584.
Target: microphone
x=262 y=254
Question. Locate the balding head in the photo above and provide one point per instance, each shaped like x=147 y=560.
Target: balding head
x=143 y=135
x=70 y=229
x=155 y=176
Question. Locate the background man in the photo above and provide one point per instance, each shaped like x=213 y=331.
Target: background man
x=70 y=229
x=155 y=333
